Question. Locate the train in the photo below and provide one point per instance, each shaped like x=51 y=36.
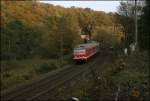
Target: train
x=86 y=50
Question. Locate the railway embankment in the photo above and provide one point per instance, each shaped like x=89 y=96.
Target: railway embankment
x=126 y=78
x=16 y=72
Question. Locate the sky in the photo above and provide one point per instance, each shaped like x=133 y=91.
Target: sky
x=106 y=6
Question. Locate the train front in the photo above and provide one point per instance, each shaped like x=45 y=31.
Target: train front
x=79 y=52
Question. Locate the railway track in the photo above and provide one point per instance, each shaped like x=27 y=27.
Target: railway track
x=43 y=88
x=90 y=70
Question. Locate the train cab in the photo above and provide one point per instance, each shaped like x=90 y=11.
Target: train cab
x=85 y=51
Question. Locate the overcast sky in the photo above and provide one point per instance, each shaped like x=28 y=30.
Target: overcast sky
x=106 y=6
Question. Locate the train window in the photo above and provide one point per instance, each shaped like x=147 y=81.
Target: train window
x=79 y=47
x=82 y=46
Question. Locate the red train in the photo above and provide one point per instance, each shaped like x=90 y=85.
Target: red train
x=85 y=51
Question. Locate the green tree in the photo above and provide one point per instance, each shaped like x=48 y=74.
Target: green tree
x=20 y=41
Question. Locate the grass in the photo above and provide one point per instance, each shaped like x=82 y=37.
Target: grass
x=15 y=72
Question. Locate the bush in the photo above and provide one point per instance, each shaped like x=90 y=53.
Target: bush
x=28 y=75
x=42 y=68
x=45 y=67
x=11 y=81
x=6 y=74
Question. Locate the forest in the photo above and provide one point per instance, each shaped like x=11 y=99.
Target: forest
x=32 y=29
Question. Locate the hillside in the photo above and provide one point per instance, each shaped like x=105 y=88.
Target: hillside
x=33 y=29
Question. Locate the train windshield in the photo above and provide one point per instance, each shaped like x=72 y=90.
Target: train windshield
x=79 y=47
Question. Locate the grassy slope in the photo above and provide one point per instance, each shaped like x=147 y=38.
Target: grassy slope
x=15 y=72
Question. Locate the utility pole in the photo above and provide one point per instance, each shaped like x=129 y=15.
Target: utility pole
x=136 y=31
x=61 y=38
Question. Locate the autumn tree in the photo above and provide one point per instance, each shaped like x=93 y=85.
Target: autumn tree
x=33 y=29
x=87 y=22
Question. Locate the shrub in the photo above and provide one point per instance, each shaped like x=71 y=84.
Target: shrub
x=45 y=67
x=6 y=74
x=11 y=81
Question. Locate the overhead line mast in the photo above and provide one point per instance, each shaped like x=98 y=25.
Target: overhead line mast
x=136 y=31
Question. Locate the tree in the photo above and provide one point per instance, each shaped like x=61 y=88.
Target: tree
x=125 y=16
x=26 y=32
x=19 y=41
x=144 y=30
x=87 y=22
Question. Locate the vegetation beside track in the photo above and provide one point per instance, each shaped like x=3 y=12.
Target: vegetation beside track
x=15 y=72
x=129 y=73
